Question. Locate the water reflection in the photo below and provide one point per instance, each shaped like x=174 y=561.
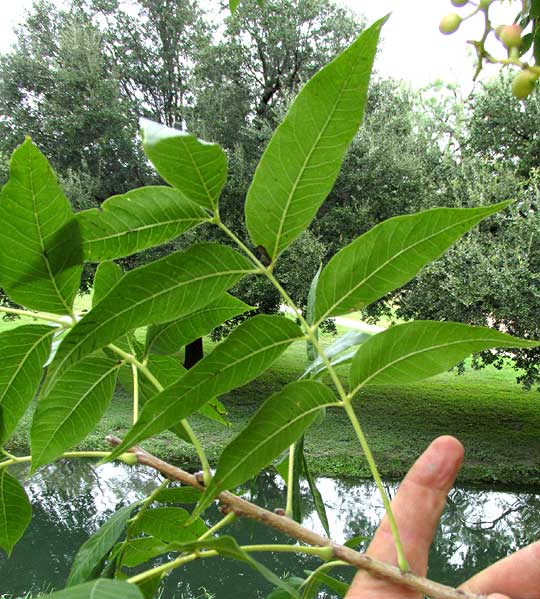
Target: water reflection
x=71 y=499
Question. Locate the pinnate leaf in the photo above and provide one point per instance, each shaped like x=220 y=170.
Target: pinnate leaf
x=137 y=220
x=247 y=352
x=170 y=337
x=302 y=160
x=158 y=292
x=15 y=511
x=102 y=588
x=107 y=276
x=92 y=553
x=414 y=351
x=195 y=167
x=40 y=247
x=279 y=422
x=23 y=352
x=390 y=255
x=72 y=408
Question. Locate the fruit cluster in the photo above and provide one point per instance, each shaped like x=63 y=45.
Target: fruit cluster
x=510 y=36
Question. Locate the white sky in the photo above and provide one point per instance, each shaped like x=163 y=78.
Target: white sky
x=412 y=48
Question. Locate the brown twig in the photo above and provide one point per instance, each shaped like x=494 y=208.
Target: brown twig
x=241 y=507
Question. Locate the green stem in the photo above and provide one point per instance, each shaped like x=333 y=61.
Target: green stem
x=230 y=517
x=159 y=387
x=290 y=485
x=175 y=563
x=66 y=454
x=64 y=321
x=135 y=375
x=402 y=560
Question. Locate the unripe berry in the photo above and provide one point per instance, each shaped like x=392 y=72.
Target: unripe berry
x=510 y=35
x=128 y=458
x=523 y=84
x=450 y=23
x=459 y=3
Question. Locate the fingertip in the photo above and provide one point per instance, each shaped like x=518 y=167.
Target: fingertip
x=498 y=596
x=449 y=444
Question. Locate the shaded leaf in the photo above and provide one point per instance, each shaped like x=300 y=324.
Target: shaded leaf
x=179 y=495
x=195 y=167
x=106 y=277
x=92 y=553
x=318 y=578
x=72 y=408
x=40 y=249
x=354 y=542
x=140 y=550
x=278 y=423
x=102 y=588
x=158 y=292
x=302 y=160
x=389 y=255
x=414 y=351
x=170 y=337
x=15 y=511
x=247 y=352
x=23 y=353
x=310 y=348
x=137 y=220
x=228 y=547
x=317 y=498
x=294 y=581
x=169 y=524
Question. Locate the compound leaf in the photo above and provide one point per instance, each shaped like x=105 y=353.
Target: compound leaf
x=302 y=160
x=169 y=524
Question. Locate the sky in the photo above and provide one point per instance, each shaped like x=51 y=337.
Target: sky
x=413 y=49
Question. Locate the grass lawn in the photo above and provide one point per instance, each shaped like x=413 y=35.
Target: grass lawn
x=497 y=421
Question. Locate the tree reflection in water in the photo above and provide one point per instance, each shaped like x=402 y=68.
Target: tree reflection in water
x=71 y=499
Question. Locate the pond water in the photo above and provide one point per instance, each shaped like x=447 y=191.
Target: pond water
x=71 y=499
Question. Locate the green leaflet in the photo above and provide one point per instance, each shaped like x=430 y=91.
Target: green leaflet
x=413 y=351
x=107 y=276
x=279 y=422
x=140 y=550
x=102 y=588
x=233 y=5
x=72 y=408
x=318 y=578
x=170 y=337
x=310 y=348
x=40 y=248
x=169 y=524
x=158 y=292
x=179 y=495
x=137 y=220
x=197 y=168
x=247 y=352
x=347 y=340
x=317 y=497
x=89 y=559
x=23 y=352
x=228 y=547
x=390 y=255
x=302 y=160
x=15 y=511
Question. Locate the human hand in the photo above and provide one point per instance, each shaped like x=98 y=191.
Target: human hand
x=417 y=507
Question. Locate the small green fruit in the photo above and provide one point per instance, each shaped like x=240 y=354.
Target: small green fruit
x=450 y=23
x=128 y=458
x=459 y=3
x=510 y=35
x=523 y=84
x=483 y=4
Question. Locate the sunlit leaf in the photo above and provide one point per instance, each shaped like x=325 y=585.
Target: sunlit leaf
x=92 y=553
x=302 y=160
x=170 y=337
x=390 y=255
x=158 y=292
x=40 y=249
x=195 y=167
x=23 y=353
x=414 y=351
x=278 y=423
x=247 y=352
x=106 y=277
x=137 y=220
x=72 y=408
x=15 y=511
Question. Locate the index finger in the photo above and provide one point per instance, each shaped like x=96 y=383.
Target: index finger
x=417 y=507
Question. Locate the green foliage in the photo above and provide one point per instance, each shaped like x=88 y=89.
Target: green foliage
x=182 y=296
x=16 y=511
x=100 y=588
